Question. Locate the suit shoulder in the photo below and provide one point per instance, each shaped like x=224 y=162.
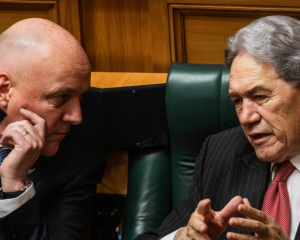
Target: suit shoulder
x=233 y=139
x=236 y=130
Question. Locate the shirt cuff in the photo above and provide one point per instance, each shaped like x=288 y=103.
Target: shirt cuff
x=9 y=205
x=170 y=236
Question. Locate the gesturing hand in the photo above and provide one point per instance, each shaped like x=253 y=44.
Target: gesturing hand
x=264 y=227
x=205 y=223
x=28 y=137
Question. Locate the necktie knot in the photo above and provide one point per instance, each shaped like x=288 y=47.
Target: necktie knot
x=284 y=170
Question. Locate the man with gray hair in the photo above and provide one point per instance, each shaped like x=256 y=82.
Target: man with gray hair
x=44 y=72
x=253 y=192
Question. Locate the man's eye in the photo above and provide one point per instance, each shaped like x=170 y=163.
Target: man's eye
x=237 y=101
x=62 y=97
x=60 y=100
x=259 y=98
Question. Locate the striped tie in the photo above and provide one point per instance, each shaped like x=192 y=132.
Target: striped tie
x=3 y=154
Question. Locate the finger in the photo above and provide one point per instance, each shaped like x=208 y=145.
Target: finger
x=246 y=202
x=204 y=209
x=231 y=208
x=23 y=127
x=198 y=225
x=14 y=136
x=7 y=130
x=38 y=122
x=249 y=224
x=28 y=131
x=254 y=213
x=237 y=236
x=193 y=234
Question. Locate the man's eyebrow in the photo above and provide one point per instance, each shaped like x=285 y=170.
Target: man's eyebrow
x=62 y=90
x=250 y=92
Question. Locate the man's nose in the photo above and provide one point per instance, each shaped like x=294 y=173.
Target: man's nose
x=248 y=114
x=73 y=115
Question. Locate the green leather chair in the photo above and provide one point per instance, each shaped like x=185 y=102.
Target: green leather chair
x=197 y=106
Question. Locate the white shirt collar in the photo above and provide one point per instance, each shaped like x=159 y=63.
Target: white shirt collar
x=294 y=160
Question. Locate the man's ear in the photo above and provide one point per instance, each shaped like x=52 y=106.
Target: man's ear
x=4 y=89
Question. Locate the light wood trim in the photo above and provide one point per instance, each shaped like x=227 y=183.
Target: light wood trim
x=178 y=11
x=125 y=79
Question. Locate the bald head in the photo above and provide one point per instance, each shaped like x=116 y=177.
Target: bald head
x=44 y=69
x=37 y=42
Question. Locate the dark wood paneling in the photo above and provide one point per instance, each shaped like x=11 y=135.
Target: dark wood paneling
x=283 y=3
x=199 y=33
x=68 y=15
x=126 y=36
x=63 y=12
x=14 y=11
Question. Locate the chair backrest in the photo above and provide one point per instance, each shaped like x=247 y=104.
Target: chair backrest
x=197 y=106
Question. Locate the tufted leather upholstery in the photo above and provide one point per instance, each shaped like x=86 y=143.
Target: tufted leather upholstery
x=197 y=106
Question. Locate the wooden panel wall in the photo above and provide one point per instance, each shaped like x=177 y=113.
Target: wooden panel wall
x=63 y=12
x=199 y=33
x=148 y=35
x=127 y=35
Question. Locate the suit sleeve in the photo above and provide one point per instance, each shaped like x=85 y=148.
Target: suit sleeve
x=66 y=215
x=180 y=217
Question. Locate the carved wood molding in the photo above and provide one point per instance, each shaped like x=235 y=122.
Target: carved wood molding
x=177 y=13
x=50 y=6
x=62 y=12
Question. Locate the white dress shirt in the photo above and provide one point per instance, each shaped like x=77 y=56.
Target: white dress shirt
x=293 y=183
x=9 y=205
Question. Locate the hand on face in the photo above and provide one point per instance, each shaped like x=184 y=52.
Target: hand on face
x=264 y=227
x=28 y=138
x=205 y=223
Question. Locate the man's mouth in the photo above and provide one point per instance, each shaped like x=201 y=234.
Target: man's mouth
x=259 y=138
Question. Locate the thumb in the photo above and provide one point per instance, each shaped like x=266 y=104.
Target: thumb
x=230 y=209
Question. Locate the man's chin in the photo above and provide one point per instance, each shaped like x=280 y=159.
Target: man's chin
x=50 y=149
x=265 y=155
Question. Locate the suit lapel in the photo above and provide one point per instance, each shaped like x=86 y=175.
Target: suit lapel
x=297 y=237
x=40 y=166
x=248 y=178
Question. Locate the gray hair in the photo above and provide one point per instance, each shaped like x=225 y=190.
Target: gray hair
x=274 y=40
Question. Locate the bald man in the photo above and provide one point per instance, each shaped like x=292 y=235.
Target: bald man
x=43 y=74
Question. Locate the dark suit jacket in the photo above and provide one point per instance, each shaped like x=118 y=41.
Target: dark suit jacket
x=226 y=167
x=65 y=185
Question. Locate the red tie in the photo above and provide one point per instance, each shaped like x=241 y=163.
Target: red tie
x=276 y=202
